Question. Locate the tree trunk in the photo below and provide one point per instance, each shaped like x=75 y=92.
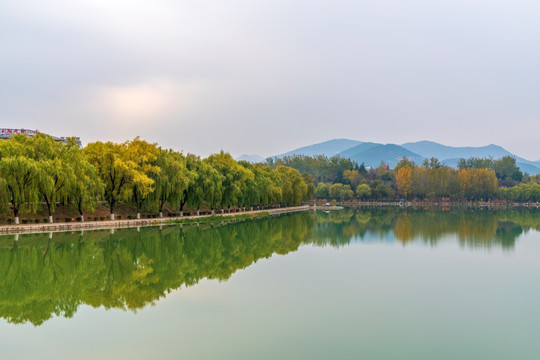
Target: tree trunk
x=79 y=206
x=111 y=208
x=16 y=214
x=181 y=213
x=162 y=203
x=160 y=214
x=138 y=215
x=50 y=219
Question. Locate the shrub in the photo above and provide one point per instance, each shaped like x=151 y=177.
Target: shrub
x=96 y=218
x=47 y=220
x=37 y=221
x=79 y=218
x=119 y=217
x=10 y=221
x=68 y=219
x=130 y=217
x=57 y=219
x=25 y=221
x=101 y=218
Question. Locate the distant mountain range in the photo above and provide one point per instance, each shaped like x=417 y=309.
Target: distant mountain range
x=328 y=148
x=253 y=158
x=372 y=154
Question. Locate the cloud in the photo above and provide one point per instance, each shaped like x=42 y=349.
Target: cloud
x=267 y=76
x=140 y=103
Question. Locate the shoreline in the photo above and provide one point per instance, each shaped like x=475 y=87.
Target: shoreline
x=131 y=223
x=444 y=204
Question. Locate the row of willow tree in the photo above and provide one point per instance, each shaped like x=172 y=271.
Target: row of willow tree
x=473 y=179
x=39 y=171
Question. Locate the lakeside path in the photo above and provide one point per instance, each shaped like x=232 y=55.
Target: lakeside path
x=116 y=224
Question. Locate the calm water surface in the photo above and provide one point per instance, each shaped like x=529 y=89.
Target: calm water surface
x=366 y=284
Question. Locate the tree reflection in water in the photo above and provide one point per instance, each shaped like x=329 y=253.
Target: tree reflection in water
x=43 y=275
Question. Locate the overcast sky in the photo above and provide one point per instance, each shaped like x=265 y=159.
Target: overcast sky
x=267 y=76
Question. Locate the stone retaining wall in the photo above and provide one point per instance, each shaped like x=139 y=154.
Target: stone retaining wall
x=114 y=224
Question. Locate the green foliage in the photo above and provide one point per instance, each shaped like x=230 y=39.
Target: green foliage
x=295 y=188
x=143 y=157
x=173 y=179
x=19 y=173
x=86 y=188
x=323 y=191
x=39 y=170
x=234 y=178
x=363 y=191
x=320 y=167
x=115 y=169
x=341 y=192
x=207 y=186
x=505 y=168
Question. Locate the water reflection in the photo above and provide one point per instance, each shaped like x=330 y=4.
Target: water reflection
x=43 y=275
x=474 y=228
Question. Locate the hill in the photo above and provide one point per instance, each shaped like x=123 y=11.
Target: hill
x=442 y=152
x=354 y=151
x=371 y=154
x=327 y=148
x=252 y=158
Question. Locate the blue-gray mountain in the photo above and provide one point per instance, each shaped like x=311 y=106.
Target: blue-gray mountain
x=372 y=154
x=328 y=148
x=252 y=158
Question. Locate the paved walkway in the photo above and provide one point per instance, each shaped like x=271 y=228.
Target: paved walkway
x=113 y=224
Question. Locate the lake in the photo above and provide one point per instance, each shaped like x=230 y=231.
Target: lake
x=352 y=284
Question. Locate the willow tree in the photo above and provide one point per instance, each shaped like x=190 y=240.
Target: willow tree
x=143 y=157
x=55 y=172
x=115 y=169
x=207 y=187
x=86 y=188
x=308 y=179
x=294 y=187
x=19 y=171
x=233 y=177
x=264 y=188
x=255 y=186
x=172 y=182
x=273 y=193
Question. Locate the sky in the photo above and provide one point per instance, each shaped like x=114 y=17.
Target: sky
x=267 y=76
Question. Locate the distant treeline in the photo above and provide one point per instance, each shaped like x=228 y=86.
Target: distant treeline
x=39 y=171
x=474 y=179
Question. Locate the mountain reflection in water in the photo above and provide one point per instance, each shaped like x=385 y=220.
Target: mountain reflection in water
x=43 y=275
